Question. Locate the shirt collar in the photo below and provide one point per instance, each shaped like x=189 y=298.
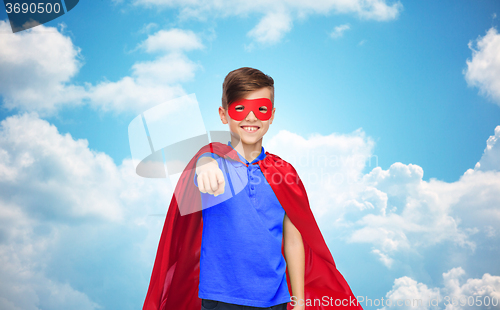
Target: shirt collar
x=261 y=156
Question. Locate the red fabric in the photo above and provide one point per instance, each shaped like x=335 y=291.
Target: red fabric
x=251 y=105
x=175 y=277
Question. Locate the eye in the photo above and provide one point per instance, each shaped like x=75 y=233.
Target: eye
x=239 y=108
x=263 y=109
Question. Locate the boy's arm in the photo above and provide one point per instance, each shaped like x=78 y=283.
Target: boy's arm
x=295 y=260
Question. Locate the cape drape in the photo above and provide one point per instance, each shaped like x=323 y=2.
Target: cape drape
x=175 y=277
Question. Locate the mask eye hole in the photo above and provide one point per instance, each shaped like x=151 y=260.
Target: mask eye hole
x=263 y=109
x=239 y=108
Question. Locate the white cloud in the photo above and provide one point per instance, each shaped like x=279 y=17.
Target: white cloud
x=173 y=40
x=329 y=167
x=409 y=294
x=151 y=82
x=37 y=65
x=491 y=156
x=338 y=31
x=72 y=223
x=35 y=68
x=169 y=69
x=394 y=211
x=271 y=28
x=128 y=95
x=423 y=214
x=483 y=70
x=53 y=156
x=384 y=258
x=24 y=287
x=278 y=15
x=454 y=295
x=148 y=27
x=372 y=9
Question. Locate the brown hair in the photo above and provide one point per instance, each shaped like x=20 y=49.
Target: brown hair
x=241 y=81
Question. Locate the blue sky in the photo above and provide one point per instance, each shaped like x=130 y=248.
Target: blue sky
x=414 y=84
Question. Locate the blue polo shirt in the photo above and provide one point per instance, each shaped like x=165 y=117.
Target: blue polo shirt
x=241 y=260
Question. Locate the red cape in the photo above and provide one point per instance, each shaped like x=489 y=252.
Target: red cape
x=175 y=277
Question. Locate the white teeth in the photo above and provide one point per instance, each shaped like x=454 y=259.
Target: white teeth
x=250 y=128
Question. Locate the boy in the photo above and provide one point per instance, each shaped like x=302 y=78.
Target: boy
x=255 y=213
x=244 y=233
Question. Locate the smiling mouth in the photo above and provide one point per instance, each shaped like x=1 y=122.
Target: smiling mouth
x=250 y=128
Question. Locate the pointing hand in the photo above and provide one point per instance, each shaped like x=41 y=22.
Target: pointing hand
x=210 y=177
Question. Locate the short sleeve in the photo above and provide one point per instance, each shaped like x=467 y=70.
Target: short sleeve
x=214 y=156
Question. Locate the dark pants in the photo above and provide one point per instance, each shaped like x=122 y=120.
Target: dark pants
x=207 y=304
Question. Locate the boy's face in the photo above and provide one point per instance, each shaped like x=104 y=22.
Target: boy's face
x=251 y=129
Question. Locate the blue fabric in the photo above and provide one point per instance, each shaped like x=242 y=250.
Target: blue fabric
x=241 y=260
x=207 y=304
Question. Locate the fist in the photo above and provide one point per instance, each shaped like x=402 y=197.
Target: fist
x=210 y=177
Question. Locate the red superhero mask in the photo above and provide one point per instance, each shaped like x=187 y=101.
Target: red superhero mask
x=251 y=105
